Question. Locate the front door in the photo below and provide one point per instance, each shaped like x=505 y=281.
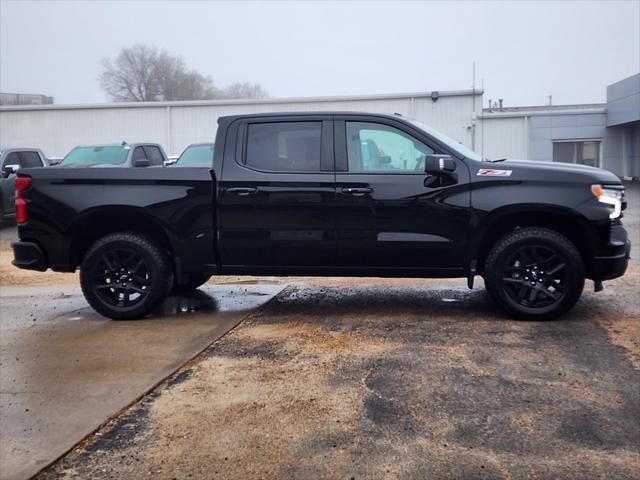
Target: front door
x=276 y=196
x=389 y=215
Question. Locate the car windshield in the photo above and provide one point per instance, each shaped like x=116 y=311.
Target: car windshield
x=113 y=155
x=196 y=156
x=449 y=142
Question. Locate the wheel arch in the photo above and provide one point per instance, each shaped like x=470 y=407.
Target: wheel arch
x=96 y=224
x=562 y=220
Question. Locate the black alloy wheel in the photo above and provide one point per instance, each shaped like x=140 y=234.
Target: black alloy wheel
x=121 y=278
x=534 y=276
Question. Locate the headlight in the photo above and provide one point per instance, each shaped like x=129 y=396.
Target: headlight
x=610 y=196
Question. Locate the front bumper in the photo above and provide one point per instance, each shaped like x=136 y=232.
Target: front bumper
x=612 y=266
x=29 y=255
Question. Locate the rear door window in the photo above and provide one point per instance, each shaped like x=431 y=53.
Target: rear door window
x=284 y=146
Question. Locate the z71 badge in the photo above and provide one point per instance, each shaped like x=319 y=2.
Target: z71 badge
x=490 y=172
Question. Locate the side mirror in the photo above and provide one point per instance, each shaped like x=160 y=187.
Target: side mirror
x=439 y=164
x=141 y=162
x=8 y=170
x=170 y=161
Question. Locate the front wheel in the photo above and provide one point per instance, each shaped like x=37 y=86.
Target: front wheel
x=125 y=275
x=534 y=273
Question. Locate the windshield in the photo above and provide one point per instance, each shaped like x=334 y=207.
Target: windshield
x=196 y=156
x=449 y=142
x=113 y=155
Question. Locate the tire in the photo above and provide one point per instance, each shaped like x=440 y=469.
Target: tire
x=190 y=282
x=534 y=273
x=138 y=269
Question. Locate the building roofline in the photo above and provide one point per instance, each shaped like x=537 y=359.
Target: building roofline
x=261 y=101
x=532 y=111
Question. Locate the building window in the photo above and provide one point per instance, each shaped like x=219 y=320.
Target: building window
x=584 y=153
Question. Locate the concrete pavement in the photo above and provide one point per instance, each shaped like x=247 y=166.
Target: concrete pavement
x=64 y=369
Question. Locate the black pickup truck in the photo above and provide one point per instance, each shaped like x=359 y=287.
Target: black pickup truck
x=333 y=194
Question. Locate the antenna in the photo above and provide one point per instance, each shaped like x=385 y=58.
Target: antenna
x=473 y=80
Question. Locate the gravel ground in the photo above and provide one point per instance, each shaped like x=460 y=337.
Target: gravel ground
x=344 y=378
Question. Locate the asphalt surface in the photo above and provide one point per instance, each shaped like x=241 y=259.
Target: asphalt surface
x=406 y=379
x=64 y=369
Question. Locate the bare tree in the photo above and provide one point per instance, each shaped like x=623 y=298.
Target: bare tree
x=143 y=74
x=245 y=90
x=131 y=77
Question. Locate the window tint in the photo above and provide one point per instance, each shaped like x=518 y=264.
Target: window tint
x=154 y=155
x=138 y=154
x=284 y=146
x=196 y=156
x=374 y=147
x=30 y=159
x=112 y=155
x=12 y=159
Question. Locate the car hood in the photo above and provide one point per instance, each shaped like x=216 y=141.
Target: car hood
x=553 y=171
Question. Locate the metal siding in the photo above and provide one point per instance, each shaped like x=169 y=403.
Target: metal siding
x=56 y=131
x=504 y=138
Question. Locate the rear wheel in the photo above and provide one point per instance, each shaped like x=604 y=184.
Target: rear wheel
x=190 y=281
x=534 y=273
x=125 y=276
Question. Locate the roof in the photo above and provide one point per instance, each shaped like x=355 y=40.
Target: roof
x=311 y=114
x=536 y=110
x=251 y=101
x=127 y=144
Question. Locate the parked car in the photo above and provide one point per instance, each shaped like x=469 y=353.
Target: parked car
x=115 y=155
x=196 y=155
x=327 y=194
x=11 y=160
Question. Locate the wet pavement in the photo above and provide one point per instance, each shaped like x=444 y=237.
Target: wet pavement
x=375 y=381
x=64 y=369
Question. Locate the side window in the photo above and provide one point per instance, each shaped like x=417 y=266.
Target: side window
x=12 y=159
x=154 y=155
x=30 y=159
x=138 y=154
x=284 y=146
x=374 y=147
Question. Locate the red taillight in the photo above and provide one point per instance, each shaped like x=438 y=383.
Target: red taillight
x=22 y=183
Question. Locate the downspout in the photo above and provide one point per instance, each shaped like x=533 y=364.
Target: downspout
x=168 y=130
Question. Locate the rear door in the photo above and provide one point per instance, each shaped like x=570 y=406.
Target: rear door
x=389 y=215
x=276 y=193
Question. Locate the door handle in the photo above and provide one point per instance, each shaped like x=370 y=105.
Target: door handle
x=357 y=191
x=242 y=191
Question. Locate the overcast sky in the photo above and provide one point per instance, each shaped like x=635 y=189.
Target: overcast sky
x=524 y=51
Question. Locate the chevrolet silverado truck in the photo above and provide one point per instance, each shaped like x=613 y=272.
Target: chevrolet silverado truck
x=327 y=194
